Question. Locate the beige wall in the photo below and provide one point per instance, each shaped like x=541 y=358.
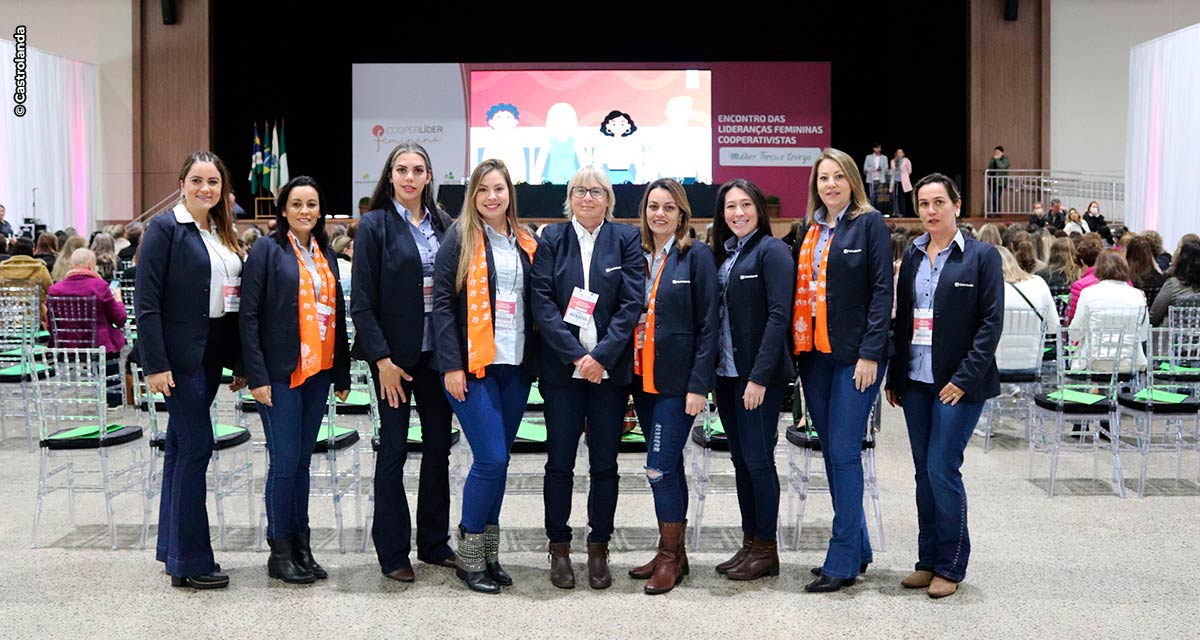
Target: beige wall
x=99 y=32
x=1089 y=74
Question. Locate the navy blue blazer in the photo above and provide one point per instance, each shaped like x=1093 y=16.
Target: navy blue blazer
x=968 y=317
x=618 y=275
x=171 y=298
x=858 y=296
x=685 y=323
x=759 y=302
x=387 y=300
x=270 y=315
x=450 y=309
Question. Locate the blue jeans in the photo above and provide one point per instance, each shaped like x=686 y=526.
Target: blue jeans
x=566 y=407
x=839 y=413
x=939 y=433
x=666 y=427
x=752 y=437
x=183 y=542
x=291 y=424
x=489 y=416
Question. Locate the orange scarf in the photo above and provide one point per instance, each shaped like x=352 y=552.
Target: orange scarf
x=481 y=331
x=316 y=353
x=808 y=305
x=643 y=357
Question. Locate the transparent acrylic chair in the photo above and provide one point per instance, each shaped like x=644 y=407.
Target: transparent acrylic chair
x=1020 y=355
x=1093 y=362
x=20 y=313
x=73 y=424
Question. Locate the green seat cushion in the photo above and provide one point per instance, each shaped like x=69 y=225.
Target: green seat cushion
x=21 y=372
x=342 y=437
x=356 y=403
x=88 y=437
x=535 y=396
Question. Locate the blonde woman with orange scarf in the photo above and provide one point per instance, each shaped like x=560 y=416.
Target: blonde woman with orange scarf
x=293 y=329
x=483 y=330
x=841 y=314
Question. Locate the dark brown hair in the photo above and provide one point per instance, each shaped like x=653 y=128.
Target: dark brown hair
x=1089 y=250
x=682 y=240
x=720 y=230
x=1111 y=265
x=218 y=216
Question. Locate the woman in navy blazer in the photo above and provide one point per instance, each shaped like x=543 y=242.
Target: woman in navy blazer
x=841 y=314
x=391 y=304
x=949 y=316
x=754 y=364
x=675 y=355
x=186 y=295
x=586 y=360
x=291 y=408
x=486 y=371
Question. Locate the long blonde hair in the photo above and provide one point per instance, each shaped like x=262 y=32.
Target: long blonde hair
x=469 y=225
x=1011 y=268
x=859 y=203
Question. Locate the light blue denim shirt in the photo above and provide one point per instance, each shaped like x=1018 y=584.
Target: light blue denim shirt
x=920 y=357
x=725 y=365
x=427 y=245
x=823 y=239
x=653 y=263
x=506 y=258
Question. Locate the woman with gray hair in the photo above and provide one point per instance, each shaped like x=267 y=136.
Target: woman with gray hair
x=587 y=284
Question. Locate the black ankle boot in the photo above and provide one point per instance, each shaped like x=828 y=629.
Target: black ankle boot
x=282 y=563
x=302 y=552
x=472 y=569
x=491 y=555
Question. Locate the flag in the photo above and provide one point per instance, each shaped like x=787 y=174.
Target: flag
x=275 y=169
x=268 y=162
x=256 y=161
x=283 y=168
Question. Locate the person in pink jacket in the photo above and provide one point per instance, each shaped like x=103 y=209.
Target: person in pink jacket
x=83 y=281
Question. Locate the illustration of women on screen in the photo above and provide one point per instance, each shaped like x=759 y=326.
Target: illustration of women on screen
x=560 y=154
x=504 y=140
x=618 y=152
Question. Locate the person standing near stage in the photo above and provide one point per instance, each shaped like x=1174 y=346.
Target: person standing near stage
x=754 y=365
x=841 y=317
x=485 y=351
x=875 y=168
x=674 y=360
x=588 y=287
x=187 y=296
x=949 y=317
x=391 y=305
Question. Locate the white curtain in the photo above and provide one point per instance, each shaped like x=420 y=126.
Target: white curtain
x=55 y=146
x=1162 y=162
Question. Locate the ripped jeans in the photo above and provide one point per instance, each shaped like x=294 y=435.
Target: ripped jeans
x=666 y=427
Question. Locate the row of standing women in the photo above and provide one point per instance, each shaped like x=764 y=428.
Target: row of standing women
x=464 y=315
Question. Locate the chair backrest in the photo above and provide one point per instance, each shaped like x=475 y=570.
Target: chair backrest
x=1173 y=351
x=20 y=308
x=72 y=321
x=74 y=395
x=1184 y=312
x=1062 y=298
x=1021 y=341
x=1109 y=344
x=143 y=400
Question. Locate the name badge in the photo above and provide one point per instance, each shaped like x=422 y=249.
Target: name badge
x=581 y=307
x=231 y=291
x=923 y=327
x=324 y=312
x=641 y=332
x=428 y=288
x=506 y=310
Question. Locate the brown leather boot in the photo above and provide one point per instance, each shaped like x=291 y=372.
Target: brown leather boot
x=940 y=587
x=645 y=571
x=762 y=560
x=669 y=569
x=598 y=575
x=562 y=575
x=917 y=580
x=724 y=567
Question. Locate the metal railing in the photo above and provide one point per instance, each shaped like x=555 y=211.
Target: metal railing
x=1014 y=191
x=157 y=207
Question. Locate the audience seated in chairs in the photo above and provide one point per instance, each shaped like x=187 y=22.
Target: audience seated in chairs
x=23 y=268
x=1023 y=291
x=1111 y=295
x=82 y=281
x=1183 y=281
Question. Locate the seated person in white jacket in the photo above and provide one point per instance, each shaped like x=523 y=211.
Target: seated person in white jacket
x=1113 y=298
x=1028 y=303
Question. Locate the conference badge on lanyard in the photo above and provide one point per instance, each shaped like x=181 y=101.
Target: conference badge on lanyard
x=923 y=327
x=324 y=312
x=506 y=310
x=581 y=307
x=231 y=288
x=427 y=284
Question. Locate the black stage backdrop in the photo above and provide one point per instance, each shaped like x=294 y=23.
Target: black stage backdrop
x=899 y=69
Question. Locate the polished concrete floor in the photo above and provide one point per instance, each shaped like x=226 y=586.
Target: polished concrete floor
x=1084 y=564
